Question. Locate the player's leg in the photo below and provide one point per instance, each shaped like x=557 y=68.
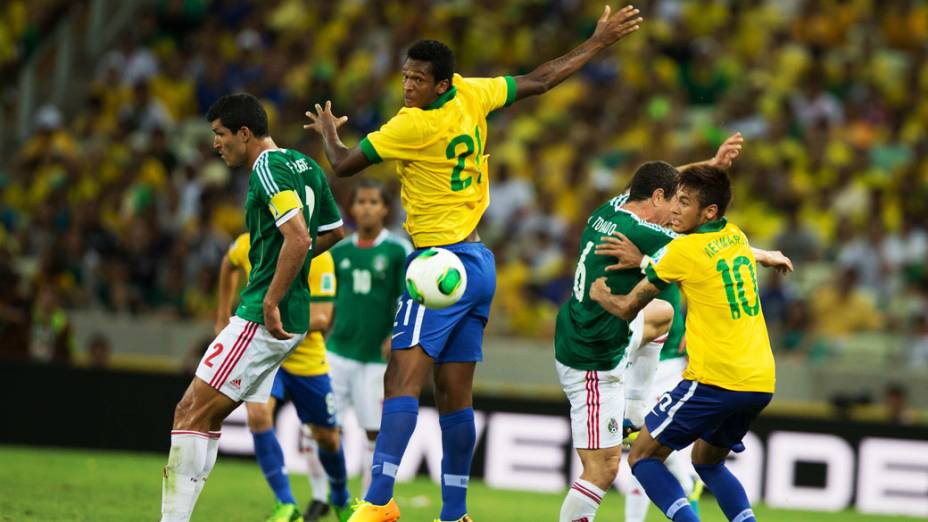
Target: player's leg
x=710 y=451
x=315 y=405
x=454 y=398
x=596 y=402
x=197 y=417
x=678 y=419
x=407 y=370
x=268 y=453
x=318 y=507
x=644 y=354
x=454 y=378
x=367 y=397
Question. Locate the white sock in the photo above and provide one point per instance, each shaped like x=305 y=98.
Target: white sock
x=212 y=452
x=318 y=480
x=366 y=464
x=636 y=502
x=179 y=486
x=581 y=502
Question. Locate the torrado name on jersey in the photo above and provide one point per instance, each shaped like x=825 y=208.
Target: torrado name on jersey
x=604 y=227
x=717 y=245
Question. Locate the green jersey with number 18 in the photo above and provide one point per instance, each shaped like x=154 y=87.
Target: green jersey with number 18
x=587 y=337
x=283 y=183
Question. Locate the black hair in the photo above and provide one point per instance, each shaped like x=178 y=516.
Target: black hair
x=711 y=183
x=436 y=53
x=651 y=176
x=239 y=110
x=370 y=183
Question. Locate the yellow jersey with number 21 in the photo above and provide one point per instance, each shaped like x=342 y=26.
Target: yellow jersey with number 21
x=726 y=335
x=440 y=158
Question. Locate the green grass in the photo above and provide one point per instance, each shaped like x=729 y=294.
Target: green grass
x=64 y=485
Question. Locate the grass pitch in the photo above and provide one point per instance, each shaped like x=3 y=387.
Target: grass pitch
x=39 y=484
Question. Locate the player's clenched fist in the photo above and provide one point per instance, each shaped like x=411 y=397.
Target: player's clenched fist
x=599 y=290
x=612 y=27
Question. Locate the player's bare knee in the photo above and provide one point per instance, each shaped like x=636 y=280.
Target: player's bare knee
x=601 y=468
x=326 y=438
x=260 y=417
x=659 y=316
x=705 y=454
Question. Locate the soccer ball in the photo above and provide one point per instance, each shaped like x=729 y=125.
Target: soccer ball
x=436 y=278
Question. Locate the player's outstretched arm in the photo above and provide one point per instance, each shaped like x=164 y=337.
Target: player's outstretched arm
x=773 y=259
x=728 y=151
x=292 y=254
x=624 y=306
x=345 y=162
x=327 y=240
x=228 y=282
x=609 y=29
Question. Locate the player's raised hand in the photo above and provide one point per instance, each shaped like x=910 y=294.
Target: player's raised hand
x=610 y=28
x=619 y=247
x=274 y=325
x=599 y=290
x=323 y=119
x=776 y=260
x=728 y=151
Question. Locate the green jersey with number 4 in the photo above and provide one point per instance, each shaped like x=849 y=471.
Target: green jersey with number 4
x=283 y=183
x=371 y=279
x=587 y=337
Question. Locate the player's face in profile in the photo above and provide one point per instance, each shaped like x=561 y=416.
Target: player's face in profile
x=368 y=208
x=419 y=86
x=684 y=211
x=229 y=145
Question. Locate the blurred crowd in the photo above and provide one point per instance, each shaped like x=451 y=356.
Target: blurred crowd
x=122 y=205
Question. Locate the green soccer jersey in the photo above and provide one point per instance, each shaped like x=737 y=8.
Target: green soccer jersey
x=671 y=349
x=587 y=337
x=282 y=183
x=371 y=279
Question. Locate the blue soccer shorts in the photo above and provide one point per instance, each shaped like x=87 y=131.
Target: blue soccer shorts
x=453 y=334
x=693 y=410
x=311 y=395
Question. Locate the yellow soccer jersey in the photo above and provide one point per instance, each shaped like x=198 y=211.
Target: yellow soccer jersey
x=309 y=357
x=440 y=160
x=238 y=252
x=726 y=336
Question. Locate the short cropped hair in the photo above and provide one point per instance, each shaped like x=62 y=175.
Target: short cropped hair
x=239 y=110
x=436 y=53
x=651 y=176
x=369 y=183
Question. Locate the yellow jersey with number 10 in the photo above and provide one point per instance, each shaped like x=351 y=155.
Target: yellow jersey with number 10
x=440 y=158
x=309 y=357
x=726 y=335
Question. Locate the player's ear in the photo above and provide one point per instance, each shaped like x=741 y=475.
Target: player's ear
x=442 y=86
x=711 y=212
x=244 y=133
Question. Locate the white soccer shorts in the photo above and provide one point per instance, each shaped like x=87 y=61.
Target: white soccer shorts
x=358 y=385
x=243 y=359
x=597 y=398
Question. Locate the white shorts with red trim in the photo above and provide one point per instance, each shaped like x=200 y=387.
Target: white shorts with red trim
x=243 y=359
x=597 y=398
x=597 y=402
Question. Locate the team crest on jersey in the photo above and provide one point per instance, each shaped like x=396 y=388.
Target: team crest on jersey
x=613 y=426
x=380 y=263
x=346 y=263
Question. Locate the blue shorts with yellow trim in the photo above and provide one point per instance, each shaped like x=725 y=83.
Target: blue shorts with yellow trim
x=311 y=395
x=694 y=410
x=453 y=334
